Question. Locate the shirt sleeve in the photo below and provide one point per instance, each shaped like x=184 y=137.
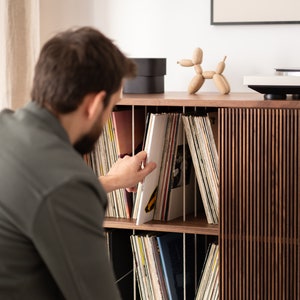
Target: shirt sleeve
x=68 y=235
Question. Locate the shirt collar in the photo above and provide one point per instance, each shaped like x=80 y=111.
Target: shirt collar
x=46 y=117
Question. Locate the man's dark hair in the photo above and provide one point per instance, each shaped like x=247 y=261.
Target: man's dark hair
x=75 y=63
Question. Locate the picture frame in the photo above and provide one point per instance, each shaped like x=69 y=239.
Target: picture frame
x=231 y=12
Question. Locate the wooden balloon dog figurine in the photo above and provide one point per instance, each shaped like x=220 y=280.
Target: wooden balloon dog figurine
x=219 y=80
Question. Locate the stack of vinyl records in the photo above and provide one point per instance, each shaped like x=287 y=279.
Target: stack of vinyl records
x=160 y=195
x=205 y=158
x=122 y=135
x=159 y=261
x=209 y=281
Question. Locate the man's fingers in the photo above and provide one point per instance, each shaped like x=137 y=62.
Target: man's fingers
x=141 y=156
x=148 y=168
x=132 y=189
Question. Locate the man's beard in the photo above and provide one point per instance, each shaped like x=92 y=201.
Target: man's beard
x=87 y=142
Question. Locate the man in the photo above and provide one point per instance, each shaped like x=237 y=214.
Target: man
x=51 y=204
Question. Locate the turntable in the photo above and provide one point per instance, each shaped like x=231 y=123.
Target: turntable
x=275 y=87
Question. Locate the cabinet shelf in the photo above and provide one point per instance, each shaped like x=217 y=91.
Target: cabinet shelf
x=237 y=100
x=193 y=225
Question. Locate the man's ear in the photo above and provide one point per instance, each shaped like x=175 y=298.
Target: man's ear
x=95 y=104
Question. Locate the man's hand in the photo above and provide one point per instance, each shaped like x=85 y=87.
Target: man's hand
x=127 y=172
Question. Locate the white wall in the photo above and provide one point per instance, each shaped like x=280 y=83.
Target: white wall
x=172 y=29
x=57 y=15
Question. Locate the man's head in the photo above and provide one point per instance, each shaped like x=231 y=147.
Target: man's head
x=75 y=63
x=77 y=66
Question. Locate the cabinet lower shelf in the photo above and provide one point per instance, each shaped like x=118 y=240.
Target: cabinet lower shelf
x=192 y=225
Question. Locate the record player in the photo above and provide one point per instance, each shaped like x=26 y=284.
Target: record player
x=276 y=87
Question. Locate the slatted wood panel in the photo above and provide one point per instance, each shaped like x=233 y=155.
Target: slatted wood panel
x=259 y=203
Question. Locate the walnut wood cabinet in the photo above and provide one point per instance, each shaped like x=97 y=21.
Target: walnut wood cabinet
x=259 y=228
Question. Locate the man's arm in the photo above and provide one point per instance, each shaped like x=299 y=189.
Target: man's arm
x=127 y=172
x=68 y=235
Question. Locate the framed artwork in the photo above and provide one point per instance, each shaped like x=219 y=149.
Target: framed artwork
x=230 y=12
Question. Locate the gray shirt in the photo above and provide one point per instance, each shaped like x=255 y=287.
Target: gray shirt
x=52 y=207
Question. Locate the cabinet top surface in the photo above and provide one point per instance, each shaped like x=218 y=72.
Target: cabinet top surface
x=239 y=100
